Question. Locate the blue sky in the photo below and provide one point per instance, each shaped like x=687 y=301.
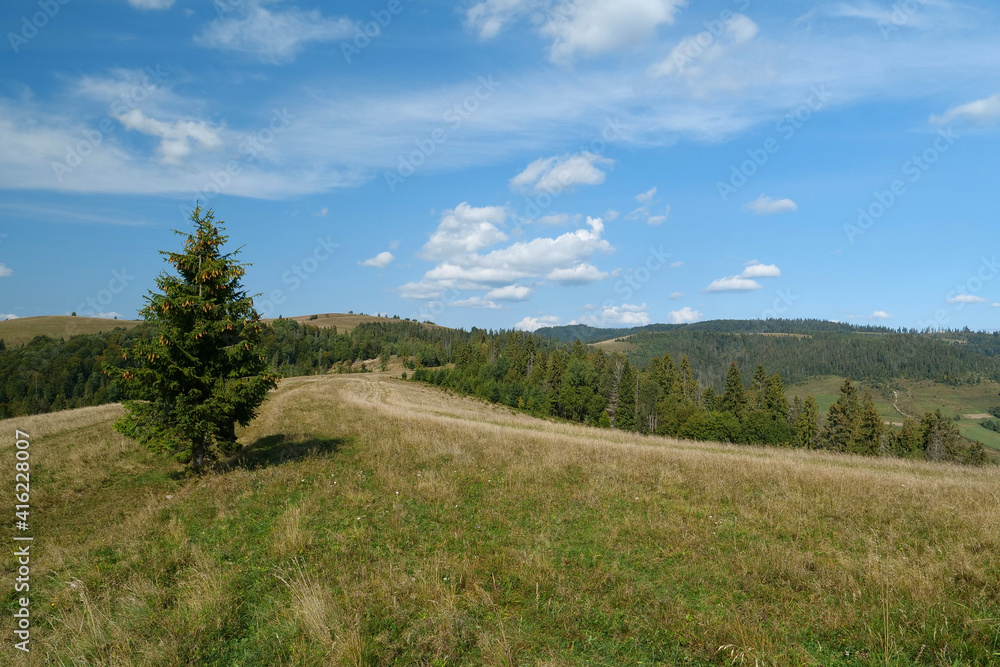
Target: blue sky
x=500 y=163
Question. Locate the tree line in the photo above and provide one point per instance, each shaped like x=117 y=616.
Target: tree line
x=583 y=384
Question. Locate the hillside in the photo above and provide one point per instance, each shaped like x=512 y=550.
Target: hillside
x=23 y=329
x=375 y=521
x=344 y=322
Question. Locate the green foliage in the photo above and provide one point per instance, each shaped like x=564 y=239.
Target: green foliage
x=991 y=424
x=202 y=371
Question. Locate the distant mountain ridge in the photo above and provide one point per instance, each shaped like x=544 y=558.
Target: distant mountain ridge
x=588 y=334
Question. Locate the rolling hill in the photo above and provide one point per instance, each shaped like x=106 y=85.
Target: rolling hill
x=375 y=521
x=23 y=329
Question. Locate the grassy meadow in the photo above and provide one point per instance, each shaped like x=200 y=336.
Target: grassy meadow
x=372 y=521
x=915 y=398
x=23 y=329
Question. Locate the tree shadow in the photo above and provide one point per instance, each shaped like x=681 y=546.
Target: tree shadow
x=281 y=448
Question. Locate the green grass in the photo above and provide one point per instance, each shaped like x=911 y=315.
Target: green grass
x=917 y=398
x=372 y=521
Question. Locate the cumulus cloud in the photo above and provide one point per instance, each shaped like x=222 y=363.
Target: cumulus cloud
x=8 y=316
x=5 y=270
x=379 y=261
x=578 y=28
x=881 y=315
x=272 y=36
x=676 y=265
x=676 y=295
x=966 y=298
x=732 y=284
x=623 y=315
x=685 y=315
x=564 y=258
x=510 y=293
x=175 y=138
x=981 y=112
x=533 y=323
x=765 y=205
x=745 y=282
x=758 y=270
x=465 y=229
x=554 y=174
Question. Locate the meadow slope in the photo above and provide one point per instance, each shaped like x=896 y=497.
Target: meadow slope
x=376 y=521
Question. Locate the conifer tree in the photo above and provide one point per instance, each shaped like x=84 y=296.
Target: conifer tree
x=625 y=414
x=843 y=421
x=807 y=424
x=202 y=371
x=734 y=397
x=871 y=440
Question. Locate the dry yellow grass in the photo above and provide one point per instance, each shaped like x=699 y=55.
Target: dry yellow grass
x=374 y=521
x=23 y=329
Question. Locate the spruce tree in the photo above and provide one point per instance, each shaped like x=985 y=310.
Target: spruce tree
x=807 y=424
x=843 y=421
x=872 y=436
x=734 y=397
x=202 y=371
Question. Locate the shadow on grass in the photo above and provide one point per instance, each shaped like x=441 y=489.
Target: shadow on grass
x=280 y=448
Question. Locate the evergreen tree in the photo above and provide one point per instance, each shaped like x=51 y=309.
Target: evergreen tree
x=734 y=397
x=872 y=433
x=625 y=414
x=807 y=424
x=202 y=370
x=758 y=389
x=692 y=388
x=843 y=421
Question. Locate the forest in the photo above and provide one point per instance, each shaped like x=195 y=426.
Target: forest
x=700 y=383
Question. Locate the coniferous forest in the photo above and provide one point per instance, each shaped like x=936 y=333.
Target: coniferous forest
x=694 y=383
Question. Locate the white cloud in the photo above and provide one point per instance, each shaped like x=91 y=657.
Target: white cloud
x=758 y=270
x=765 y=205
x=475 y=302
x=709 y=54
x=176 y=138
x=534 y=323
x=675 y=265
x=732 y=284
x=611 y=214
x=996 y=305
x=322 y=212
x=981 y=112
x=5 y=270
x=966 y=298
x=593 y=27
x=676 y=295
x=7 y=316
x=685 y=315
x=465 y=229
x=658 y=219
x=647 y=196
x=623 y=315
x=273 y=36
x=510 y=293
x=881 y=315
x=151 y=4
x=577 y=27
x=554 y=174
x=380 y=261
x=563 y=258
x=579 y=274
